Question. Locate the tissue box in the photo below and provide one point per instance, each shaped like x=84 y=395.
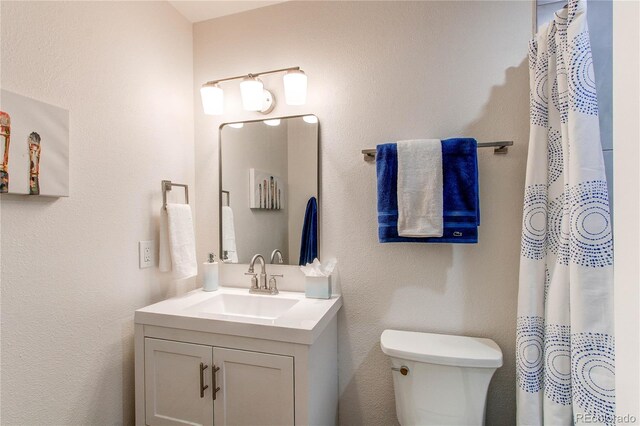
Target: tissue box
x=318 y=287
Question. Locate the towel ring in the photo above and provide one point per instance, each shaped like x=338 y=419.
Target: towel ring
x=167 y=185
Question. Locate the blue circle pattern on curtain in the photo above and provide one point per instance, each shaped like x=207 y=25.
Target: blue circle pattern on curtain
x=591 y=242
x=557 y=354
x=551 y=40
x=560 y=99
x=547 y=283
x=533 y=52
x=582 y=84
x=593 y=366
x=529 y=353
x=554 y=155
x=539 y=110
x=534 y=222
x=558 y=224
x=560 y=23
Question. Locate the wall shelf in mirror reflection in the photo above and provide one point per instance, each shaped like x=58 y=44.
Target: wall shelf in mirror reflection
x=272 y=170
x=267 y=191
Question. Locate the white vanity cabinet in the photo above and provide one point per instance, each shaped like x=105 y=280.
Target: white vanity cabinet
x=199 y=384
x=197 y=370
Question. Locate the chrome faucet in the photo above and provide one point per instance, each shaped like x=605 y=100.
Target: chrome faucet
x=273 y=256
x=259 y=285
x=262 y=282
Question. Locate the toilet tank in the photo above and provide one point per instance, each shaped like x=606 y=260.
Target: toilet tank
x=447 y=378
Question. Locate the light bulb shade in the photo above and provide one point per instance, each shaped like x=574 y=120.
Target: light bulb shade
x=273 y=122
x=251 y=89
x=295 y=87
x=212 y=99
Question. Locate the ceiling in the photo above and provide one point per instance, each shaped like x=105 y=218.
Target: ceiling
x=196 y=11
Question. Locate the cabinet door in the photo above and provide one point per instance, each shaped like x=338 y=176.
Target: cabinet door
x=172 y=380
x=255 y=388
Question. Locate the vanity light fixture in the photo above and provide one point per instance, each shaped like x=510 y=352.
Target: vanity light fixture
x=254 y=96
x=251 y=89
x=274 y=122
x=212 y=99
x=295 y=87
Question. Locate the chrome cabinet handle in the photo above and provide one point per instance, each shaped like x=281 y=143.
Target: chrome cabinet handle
x=213 y=381
x=203 y=387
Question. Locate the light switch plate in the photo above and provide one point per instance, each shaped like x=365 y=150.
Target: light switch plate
x=146 y=254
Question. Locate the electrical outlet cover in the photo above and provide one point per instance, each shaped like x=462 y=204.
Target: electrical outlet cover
x=146 y=254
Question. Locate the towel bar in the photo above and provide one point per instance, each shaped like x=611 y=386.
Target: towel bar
x=167 y=185
x=501 y=147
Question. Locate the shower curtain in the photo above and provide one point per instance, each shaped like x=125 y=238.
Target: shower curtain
x=565 y=342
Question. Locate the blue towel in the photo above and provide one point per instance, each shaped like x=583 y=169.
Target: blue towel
x=461 y=202
x=309 y=241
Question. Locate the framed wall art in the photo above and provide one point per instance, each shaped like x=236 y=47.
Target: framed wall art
x=34 y=144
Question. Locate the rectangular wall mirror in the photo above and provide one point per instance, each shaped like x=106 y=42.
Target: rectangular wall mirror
x=268 y=176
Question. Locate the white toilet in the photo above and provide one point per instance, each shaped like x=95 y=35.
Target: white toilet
x=440 y=379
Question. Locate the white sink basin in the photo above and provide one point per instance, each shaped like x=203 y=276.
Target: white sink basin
x=286 y=317
x=244 y=305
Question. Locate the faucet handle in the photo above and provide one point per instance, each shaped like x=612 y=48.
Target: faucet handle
x=273 y=285
x=254 y=279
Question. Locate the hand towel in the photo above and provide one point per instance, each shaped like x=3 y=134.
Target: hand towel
x=309 y=240
x=229 y=236
x=164 y=261
x=461 y=208
x=420 y=188
x=182 y=241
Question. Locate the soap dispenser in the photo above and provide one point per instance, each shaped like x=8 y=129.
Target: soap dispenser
x=211 y=274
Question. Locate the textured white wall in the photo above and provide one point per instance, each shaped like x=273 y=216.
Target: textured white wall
x=381 y=71
x=626 y=133
x=70 y=277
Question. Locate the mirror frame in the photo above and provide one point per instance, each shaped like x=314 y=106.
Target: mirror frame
x=319 y=199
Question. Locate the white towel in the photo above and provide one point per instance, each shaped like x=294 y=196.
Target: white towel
x=177 y=238
x=164 y=262
x=229 y=236
x=420 y=188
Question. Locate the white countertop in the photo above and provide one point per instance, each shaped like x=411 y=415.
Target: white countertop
x=302 y=323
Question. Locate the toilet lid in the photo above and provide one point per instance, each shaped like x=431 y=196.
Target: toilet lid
x=442 y=349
